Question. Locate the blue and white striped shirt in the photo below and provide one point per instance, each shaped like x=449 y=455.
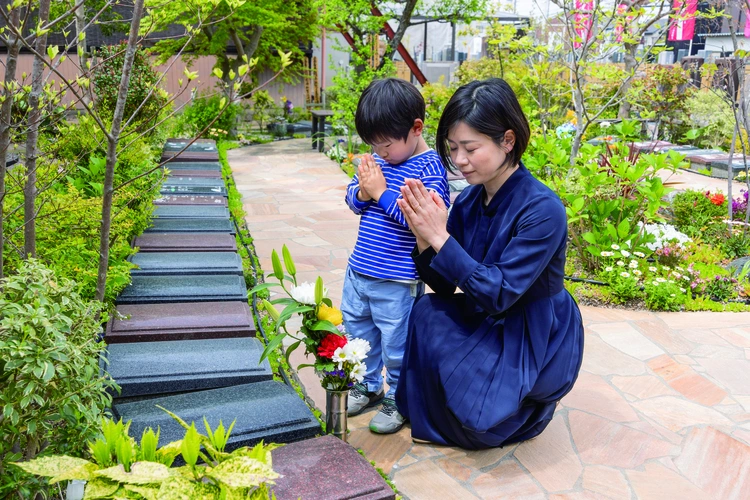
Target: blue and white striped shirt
x=384 y=243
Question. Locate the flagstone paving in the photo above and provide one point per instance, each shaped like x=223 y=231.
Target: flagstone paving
x=661 y=408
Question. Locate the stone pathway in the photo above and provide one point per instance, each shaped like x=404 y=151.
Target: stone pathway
x=661 y=408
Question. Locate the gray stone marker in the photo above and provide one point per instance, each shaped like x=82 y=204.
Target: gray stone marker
x=191 y=212
x=214 y=174
x=649 y=146
x=326 y=467
x=165 y=289
x=180 y=321
x=186 y=263
x=183 y=180
x=203 y=145
x=193 y=190
x=720 y=168
x=191 y=226
x=185 y=242
x=148 y=368
x=674 y=147
x=190 y=156
x=270 y=411
x=177 y=167
x=191 y=199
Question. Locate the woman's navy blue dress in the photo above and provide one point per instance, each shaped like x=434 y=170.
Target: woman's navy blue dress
x=485 y=367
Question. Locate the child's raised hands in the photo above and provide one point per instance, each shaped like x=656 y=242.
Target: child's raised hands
x=371 y=178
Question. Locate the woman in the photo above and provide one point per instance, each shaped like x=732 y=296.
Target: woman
x=486 y=367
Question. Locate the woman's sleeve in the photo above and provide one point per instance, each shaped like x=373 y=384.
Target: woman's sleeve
x=498 y=285
x=430 y=276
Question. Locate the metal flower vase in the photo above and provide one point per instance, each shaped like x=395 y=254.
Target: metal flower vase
x=336 y=413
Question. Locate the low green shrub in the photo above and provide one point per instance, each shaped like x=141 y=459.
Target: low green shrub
x=203 y=110
x=51 y=394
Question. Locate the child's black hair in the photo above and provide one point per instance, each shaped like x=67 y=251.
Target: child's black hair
x=387 y=110
x=491 y=108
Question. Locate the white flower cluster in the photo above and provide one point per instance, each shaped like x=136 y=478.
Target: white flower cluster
x=305 y=293
x=664 y=234
x=354 y=352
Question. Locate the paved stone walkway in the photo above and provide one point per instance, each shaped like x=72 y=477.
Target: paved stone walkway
x=661 y=408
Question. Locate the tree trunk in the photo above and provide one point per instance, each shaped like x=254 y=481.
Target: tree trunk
x=5 y=116
x=580 y=117
x=112 y=140
x=630 y=65
x=403 y=23
x=32 y=137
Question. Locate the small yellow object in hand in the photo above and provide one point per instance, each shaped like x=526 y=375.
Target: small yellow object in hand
x=331 y=314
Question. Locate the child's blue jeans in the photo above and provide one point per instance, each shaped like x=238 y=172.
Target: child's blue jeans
x=377 y=311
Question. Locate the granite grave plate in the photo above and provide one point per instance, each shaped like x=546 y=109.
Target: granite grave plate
x=165 y=289
x=191 y=199
x=174 y=156
x=194 y=165
x=706 y=159
x=648 y=146
x=180 y=321
x=674 y=147
x=182 y=180
x=185 y=242
x=719 y=168
x=191 y=226
x=700 y=153
x=269 y=410
x=193 y=190
x=205 y=145
x=326 y=468
x=191 y=212
x=148 y=368
x=213 y=174
x=186 y=263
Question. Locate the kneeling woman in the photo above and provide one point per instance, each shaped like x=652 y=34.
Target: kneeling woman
x=486 y=367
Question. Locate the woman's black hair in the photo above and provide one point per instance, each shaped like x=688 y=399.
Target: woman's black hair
x=491 y=108
x=387 y=109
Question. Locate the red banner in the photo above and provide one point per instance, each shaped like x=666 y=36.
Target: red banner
x=682 y=26
x=583 y=21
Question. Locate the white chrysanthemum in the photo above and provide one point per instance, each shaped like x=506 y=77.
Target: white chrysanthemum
x=357 y=349
x=615 y=247
x=305 y=293
x=639 y=254
x=625 y=253
x=637 y=272
x=625 y=275
x=666 y=268
x=633 y=264
x=358 y=372
x=609 y=269
x=664 y=234
x=683 y=290
x=605 y=124
x=620 y=263
x=607 y=254
x=652 y=269
x=340 y=356
x=677 y=275
x=661 y=280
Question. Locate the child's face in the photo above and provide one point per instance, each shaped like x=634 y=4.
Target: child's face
x=396 y=151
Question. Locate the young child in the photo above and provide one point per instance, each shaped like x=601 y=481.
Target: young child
x=381 y=282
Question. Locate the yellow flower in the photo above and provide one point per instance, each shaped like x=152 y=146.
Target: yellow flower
x=331 y=314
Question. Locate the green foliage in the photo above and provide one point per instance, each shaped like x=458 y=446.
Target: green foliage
x=664 y=295
x=146 y=100
x=262 y=106
x=662 y=94
x=720 y=288
x=51 y=393
x=436 y=96
x=204 y=109
x=122 y=469
x=695 y=215
x=735 y=246
x=712 y=113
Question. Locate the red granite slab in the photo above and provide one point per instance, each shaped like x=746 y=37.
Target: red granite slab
x=326 y=468
x=198 y=173
x=191 y=199
x=185 y=242
x=180 y=321
x=708 y=159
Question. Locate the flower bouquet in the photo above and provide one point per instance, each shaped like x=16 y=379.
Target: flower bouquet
x=338 y=360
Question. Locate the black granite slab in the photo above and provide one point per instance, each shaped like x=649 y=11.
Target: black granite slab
x=649 y=146
x=214 y=174
x=186 y=263
x=268 y=411
x=173 y=156
x=719 y=168
x=193 y=190
x=180 y=321
x=204 y=145
x=148 y=368
x=191 y=226
x=185 y=242
x=165 y=289
x=191 y=199
x=183 y=180
x=675 y=147
x=326 y=468
x=177 y=167
x=191 y=212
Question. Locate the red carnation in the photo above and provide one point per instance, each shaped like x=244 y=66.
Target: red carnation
x=329 y=344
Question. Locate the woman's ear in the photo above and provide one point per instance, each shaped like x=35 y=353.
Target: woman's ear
x=509 y=139
x=418 y=127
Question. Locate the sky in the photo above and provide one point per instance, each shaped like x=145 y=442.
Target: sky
x=534 y=8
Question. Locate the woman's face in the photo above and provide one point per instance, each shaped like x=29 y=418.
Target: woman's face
x=476 y=155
